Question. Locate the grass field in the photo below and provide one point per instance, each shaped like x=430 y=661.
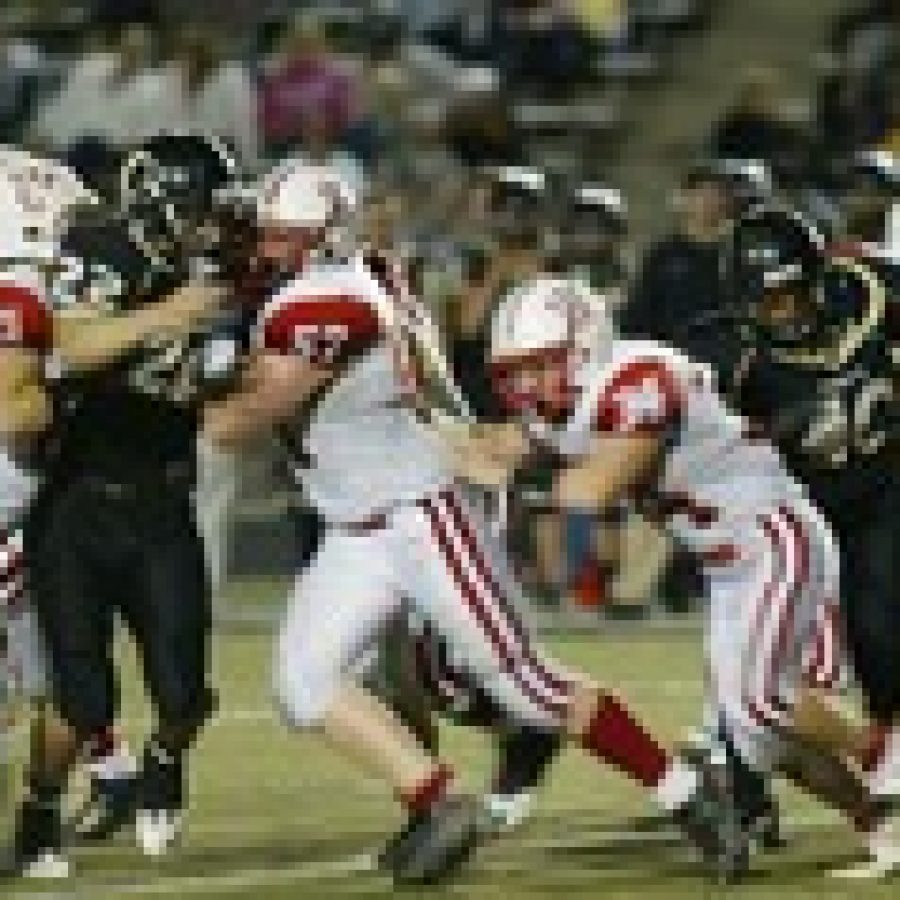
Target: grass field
x=275 y=816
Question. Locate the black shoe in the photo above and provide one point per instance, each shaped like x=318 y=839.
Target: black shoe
x=713 y=823
x=765 y=827
x=112 y=805
x=160 y=801
x=432 y=847
x=38 y=845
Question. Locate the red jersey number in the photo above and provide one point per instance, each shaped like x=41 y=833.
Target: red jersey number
x=320 y=330
x=320 y=344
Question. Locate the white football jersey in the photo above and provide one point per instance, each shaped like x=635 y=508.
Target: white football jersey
x=714 y=480
x=366 y=449
x=24 y=323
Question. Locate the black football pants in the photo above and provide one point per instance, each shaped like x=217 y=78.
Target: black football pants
x=98 y=547
x=870 y=585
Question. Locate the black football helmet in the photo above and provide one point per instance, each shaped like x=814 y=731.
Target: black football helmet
x=171 y=187
x=520 y=204
x=774 y=263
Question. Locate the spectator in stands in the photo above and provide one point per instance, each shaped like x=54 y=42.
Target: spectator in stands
x=679 y=297
x=24 y=70
x=212 y=94
x=755 y=127
x=541 y=45
x=308 y=95
x=535 y=44
x=115 y=92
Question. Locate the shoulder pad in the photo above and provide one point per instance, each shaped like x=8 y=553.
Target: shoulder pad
x=321 y=327
x=24 y=319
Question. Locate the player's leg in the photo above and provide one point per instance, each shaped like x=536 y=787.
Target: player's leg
x=873 y=614
x=75 y=617
x=169 y=614
x=434 y=683
x=780 y=658
x=469 y=603
x=339 y=604
x=399 y=673
x=107 y=758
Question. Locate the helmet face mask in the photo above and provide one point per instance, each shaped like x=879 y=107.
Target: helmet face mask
x=775 y=264
x=544 y=339
x=787 y=313
x=172 y=190
x=538 y=384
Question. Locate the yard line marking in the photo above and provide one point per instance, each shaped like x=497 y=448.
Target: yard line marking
x=198 y=884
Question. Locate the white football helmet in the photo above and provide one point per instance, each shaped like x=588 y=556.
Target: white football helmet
x=36 y=195
x=549 y=314
x=558 y=320
x=300 y=194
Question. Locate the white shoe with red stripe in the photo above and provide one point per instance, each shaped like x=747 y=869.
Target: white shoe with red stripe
x=884 y=854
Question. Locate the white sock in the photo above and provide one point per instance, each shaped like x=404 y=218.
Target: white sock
x=884 y=843
x=120 y=763
x=677 y=785
x=885 y=778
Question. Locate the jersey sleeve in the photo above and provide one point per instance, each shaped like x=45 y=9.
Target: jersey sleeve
x=24 y=319
x=642 y=397
x=323 y=330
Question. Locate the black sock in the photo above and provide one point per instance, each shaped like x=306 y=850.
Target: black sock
x=525 y=754
x=44 y=792
x=162 y=775
x=751 y=787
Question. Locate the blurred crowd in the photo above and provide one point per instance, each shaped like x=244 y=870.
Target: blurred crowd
x=432 y=107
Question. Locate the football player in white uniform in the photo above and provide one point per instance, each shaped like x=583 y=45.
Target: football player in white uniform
x=637 y=421
x=350 y=368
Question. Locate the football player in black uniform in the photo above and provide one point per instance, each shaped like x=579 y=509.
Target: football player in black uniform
x=114 y=528
x=819 y=376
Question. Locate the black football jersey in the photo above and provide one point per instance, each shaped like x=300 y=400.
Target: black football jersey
x=833 y=411
x=139 y=412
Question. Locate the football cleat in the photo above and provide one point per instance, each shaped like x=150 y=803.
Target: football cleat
x=508 y=811
x=712 y=822
x=112 y=805
x=158 y=830
x=751 y=792
x=49 y=864
x=433 y=846
x=884 y=852
x=159 y=819
x=38 y=846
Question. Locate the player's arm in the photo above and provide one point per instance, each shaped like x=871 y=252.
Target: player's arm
x=24 y=405
x=613 y=466
x=84 y=342
x=272 y=386
x=301 y=343
x=486 y=454
x=24 y=333
x=634 y=415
